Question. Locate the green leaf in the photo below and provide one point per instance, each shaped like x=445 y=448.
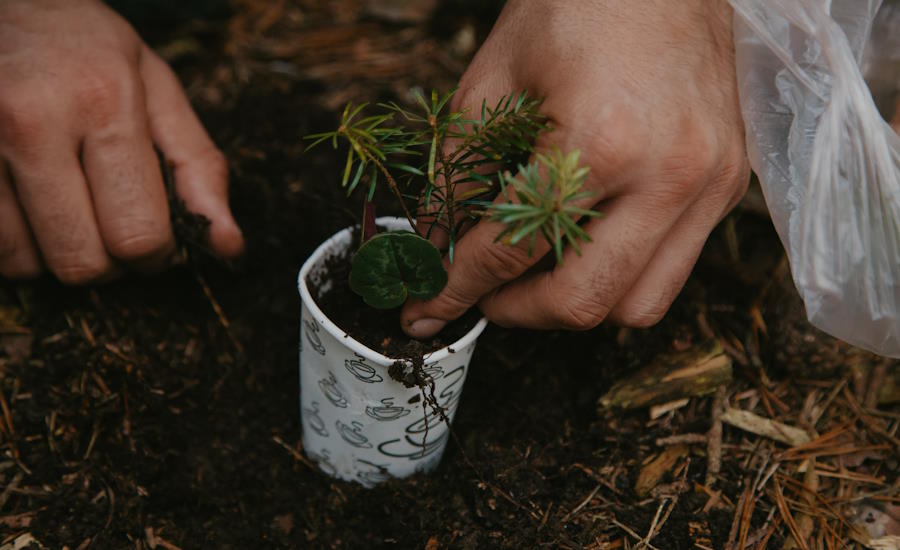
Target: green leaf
x=390 y=267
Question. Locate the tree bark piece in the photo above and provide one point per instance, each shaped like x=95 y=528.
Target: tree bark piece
x=670 y=377
x=652 y=474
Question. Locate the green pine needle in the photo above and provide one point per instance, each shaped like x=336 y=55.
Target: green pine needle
x=400 y=145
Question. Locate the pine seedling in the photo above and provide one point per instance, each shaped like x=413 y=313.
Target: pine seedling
x=407 y=149
x=544 y=204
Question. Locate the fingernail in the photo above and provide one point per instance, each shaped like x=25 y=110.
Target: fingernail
x=425 y=328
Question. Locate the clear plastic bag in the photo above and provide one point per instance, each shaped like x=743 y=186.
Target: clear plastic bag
x=828 y=163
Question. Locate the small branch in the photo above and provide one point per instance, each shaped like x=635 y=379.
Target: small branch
x=583 y=503
x=392 y=184
x=631 y=532
x=714 y=439
x=765 y=427
x=13 y=485
x=220 y=313
x=298 y=456
x=806 y=523
x=682 y=439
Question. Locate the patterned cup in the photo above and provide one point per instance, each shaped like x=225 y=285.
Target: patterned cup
x=358 y=423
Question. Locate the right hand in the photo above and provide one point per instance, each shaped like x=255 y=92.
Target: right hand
x=647 y=92
x=83 y=101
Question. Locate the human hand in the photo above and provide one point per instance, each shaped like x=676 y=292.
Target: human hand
x=82 y=103
x=647 y=92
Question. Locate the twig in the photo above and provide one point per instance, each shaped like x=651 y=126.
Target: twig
x=9 y=428
x=657 y=524
x=785 y=512
x=298 y=456
x=807 y=522
x=765 y=427
x=814 y=420
x=682 y=439
x=13 y=485
x=876 y=379
x=7 y=415
x=714 y=438
x=736 y=520
x=223 y=320
x=583 y=503
x=392 y=183
x=154 y=540
x=546 y=516
x=631 y=532
x=870 y=424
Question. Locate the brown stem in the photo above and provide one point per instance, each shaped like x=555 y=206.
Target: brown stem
x=448 y=190
x=392 y=184
x=369 y=229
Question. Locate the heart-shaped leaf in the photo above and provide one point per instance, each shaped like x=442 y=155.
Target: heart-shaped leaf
x=390 y=267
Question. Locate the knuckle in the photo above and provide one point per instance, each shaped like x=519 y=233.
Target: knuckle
x=646 y=311
x=616 y=143
x=449 y=304
x=736 y=169
x=689 y=165
x=21 y=123
x=642 y=318
x=503 y=262
x=576 y=310
x=79 y=271
x=102 y=93
x=138 y=244
x=734 y=177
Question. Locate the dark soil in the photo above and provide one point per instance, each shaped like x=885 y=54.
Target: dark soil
x=378 y=329
x=134 y=415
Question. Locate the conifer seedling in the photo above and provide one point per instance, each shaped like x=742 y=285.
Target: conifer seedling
x=404 y=150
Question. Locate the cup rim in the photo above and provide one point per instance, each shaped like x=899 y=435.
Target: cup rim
x=357 y=347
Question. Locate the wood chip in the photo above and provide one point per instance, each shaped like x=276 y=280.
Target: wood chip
x=765 y=427
x=23 y=542
x=672 y=377
x=660 y=410
x=652 y=474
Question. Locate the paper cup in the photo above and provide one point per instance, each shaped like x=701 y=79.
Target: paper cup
x=358 y=423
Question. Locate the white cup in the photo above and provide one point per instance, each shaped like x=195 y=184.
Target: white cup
x=358 y=423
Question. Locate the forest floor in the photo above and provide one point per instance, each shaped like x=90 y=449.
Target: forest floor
x=134 y=415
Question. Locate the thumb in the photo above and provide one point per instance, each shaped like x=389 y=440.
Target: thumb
x=487 y=79
x=201 y=172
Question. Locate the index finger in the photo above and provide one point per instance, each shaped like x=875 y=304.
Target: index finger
x=481 y=264
x=483 y=261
